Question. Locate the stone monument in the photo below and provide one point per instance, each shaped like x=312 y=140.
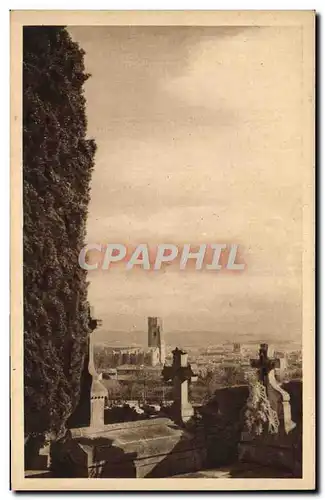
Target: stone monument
x=279 y=399
x=181 y=374
x=268 y=436
x=145 y=448
x=91 y=406
x=98 y=392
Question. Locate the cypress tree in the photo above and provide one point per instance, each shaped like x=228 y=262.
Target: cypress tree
x=57 y=165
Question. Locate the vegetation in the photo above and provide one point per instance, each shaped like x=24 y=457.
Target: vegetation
x=259 y=415
x=214 y=377
x=57 y=166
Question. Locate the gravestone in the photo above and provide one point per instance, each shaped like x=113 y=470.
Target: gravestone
x=279 y=399
x=98 y=393
x=146 y=448
x=91 y=407
x=272 y=441
x=181 y=374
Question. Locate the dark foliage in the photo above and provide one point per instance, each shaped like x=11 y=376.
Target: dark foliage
x=57 y=167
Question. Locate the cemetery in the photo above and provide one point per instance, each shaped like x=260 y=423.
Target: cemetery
x=252 y=430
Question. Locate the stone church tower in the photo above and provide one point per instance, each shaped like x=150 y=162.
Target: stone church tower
x=155 y=337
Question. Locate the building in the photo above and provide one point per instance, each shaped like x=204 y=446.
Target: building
x=152 y=356
x=237 y=349
x=155 y=337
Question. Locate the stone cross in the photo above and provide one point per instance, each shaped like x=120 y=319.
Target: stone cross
x=181 y=374
x=90 y=409
x=98 y=392
x=264 y=364
x=278 y=397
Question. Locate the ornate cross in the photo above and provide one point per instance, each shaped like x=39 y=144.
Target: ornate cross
x=180 y=367
x=264 y=364
x=278 y=397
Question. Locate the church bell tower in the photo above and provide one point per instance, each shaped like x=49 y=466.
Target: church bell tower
x=155 y=336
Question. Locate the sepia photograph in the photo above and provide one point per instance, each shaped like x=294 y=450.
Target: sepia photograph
x=162 y=250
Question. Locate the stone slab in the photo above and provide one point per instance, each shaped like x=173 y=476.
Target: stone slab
x=145 y=448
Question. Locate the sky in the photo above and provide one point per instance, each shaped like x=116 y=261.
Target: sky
x=199 y=136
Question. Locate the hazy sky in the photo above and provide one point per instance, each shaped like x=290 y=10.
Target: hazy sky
x=199 y=136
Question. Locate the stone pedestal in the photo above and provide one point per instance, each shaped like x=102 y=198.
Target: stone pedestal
x=280 y=402
x=91 y=406
x=97 y=404
x=183 y=413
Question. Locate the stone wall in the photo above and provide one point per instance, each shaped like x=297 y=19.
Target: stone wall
x=222 y=422
x=223 y=418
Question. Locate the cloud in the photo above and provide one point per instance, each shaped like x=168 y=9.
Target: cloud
x=251 y=71
x=199 y=138
x=197 y=301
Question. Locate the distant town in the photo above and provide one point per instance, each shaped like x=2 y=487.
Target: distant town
x=133 y=374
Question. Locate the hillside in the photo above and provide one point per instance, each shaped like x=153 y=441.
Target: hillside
x=190 y=338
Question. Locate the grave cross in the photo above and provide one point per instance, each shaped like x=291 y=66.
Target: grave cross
x=264 y=364
x=181 y=374
x=278 y=397
x=98 y=392
x=91 y=405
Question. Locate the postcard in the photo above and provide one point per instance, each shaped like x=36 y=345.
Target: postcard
x=162 y=250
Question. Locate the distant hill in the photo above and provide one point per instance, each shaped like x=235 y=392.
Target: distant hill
x=190 y=338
